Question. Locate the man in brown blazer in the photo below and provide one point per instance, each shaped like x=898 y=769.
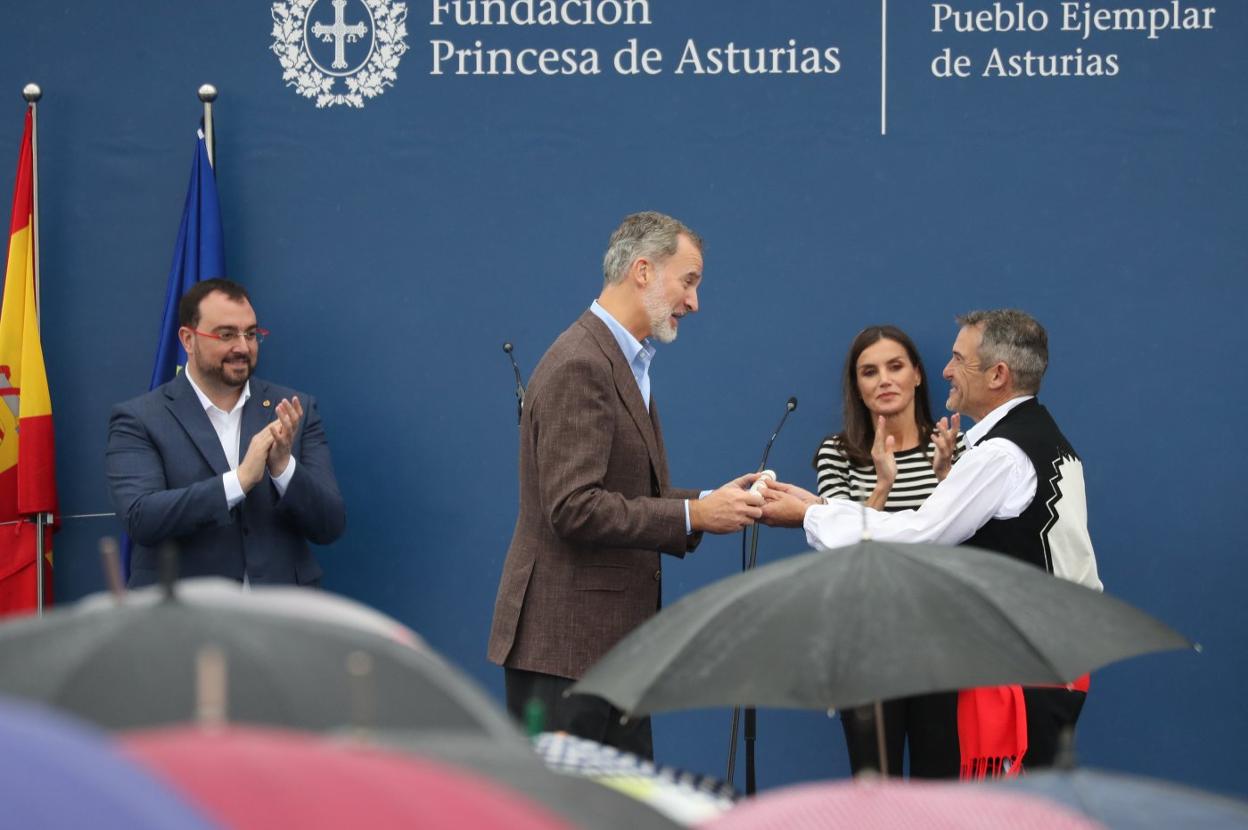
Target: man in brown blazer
x=596 y=504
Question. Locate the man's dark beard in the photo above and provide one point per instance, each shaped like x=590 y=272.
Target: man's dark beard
x=217 y=373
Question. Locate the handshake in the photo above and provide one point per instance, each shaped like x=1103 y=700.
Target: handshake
x=751 y=498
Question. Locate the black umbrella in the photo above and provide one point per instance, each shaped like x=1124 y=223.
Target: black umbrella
x=869 y=622
x=135 y=665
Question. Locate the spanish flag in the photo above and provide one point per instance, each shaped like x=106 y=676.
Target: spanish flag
x=27 y=456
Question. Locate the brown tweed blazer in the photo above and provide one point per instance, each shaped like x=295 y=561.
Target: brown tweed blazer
x=596 y=509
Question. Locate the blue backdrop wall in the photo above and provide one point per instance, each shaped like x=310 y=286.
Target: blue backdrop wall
x=392 y=247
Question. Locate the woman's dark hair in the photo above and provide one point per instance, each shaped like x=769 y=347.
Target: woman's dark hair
x=858 y=430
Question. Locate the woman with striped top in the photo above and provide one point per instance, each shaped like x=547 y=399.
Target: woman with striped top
x=890 y=455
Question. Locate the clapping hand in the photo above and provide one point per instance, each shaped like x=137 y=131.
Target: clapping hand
x=284 y=429
x=945 y=439
x=882 y=456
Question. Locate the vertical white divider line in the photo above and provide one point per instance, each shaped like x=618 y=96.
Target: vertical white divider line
x=883 y=67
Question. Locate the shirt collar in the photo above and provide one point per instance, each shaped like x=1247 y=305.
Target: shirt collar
x=207 y=403
x=976 y=433
x=629 y=345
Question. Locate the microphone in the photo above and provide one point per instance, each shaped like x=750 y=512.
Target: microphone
x=747 y=564
x=789 y=406
x=507 y=347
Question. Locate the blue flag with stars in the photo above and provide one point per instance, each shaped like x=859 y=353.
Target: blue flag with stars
x=198 y=255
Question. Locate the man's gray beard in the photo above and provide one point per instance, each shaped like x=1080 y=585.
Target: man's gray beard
x=661 y=327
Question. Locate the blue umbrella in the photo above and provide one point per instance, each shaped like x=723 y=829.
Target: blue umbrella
x=1125 y=802
x=56 y=772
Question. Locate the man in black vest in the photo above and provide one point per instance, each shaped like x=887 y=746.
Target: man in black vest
x=1018 y=490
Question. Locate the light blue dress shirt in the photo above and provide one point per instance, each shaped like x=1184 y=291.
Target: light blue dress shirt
x=639 y=354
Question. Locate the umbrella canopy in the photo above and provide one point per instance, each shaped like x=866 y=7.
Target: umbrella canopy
x=868 y=622
x=260 y=778
x=1125 y=802
x=281 y=600
x=135 y=665
x=578 y=800
x=889 y=805
x=57 y=772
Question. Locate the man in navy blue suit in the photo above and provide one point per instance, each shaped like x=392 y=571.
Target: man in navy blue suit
x=231 y=469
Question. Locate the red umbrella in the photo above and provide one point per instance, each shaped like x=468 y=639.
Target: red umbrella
x=895 y=804
x=260 y=778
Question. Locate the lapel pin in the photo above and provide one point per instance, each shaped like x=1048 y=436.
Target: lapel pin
x=267 y=402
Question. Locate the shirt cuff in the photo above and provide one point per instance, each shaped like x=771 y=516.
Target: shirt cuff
x=283 y=481
x=233 y=490
x=688 y=521
x=810 y=523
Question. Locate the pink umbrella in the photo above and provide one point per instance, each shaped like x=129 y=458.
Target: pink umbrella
x=894 y=804
x=249 y=778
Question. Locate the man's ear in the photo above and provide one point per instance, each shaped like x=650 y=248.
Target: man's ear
x=185 y=336
x=641 y=271
x=999 y=376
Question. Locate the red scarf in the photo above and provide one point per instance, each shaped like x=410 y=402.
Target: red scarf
x=992 y=730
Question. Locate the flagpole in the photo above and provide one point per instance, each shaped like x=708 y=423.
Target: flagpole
x=208 y=94
x=32 y=93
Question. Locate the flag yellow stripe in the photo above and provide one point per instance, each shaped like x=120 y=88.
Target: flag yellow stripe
x=20 y=347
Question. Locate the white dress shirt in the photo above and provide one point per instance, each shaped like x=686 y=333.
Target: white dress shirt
x=994 y=479
x=229 y=426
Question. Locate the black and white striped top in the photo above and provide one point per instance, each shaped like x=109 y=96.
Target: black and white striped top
x=838 y=479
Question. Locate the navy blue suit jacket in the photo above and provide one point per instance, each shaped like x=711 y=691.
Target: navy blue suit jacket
x=164 y=464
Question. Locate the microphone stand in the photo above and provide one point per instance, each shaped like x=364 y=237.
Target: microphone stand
x=751 y=713
x=507 y=347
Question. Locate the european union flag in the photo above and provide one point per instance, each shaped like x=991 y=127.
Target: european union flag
x=199 y=255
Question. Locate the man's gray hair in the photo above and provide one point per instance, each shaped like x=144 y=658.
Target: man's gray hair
x=647 y=234
x=1016 y=339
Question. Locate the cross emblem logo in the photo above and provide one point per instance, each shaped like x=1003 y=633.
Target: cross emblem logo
x=301 y=33
x=339 y=33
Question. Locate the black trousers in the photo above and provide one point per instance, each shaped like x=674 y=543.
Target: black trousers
x=927 y=723
x=1050 y=713
x=582 y=715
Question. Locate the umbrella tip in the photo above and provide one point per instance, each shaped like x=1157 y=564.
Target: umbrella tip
x=168 y=569
x=110 y=560
x=362 y=682
x=211 y=685
x=1066 y=759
